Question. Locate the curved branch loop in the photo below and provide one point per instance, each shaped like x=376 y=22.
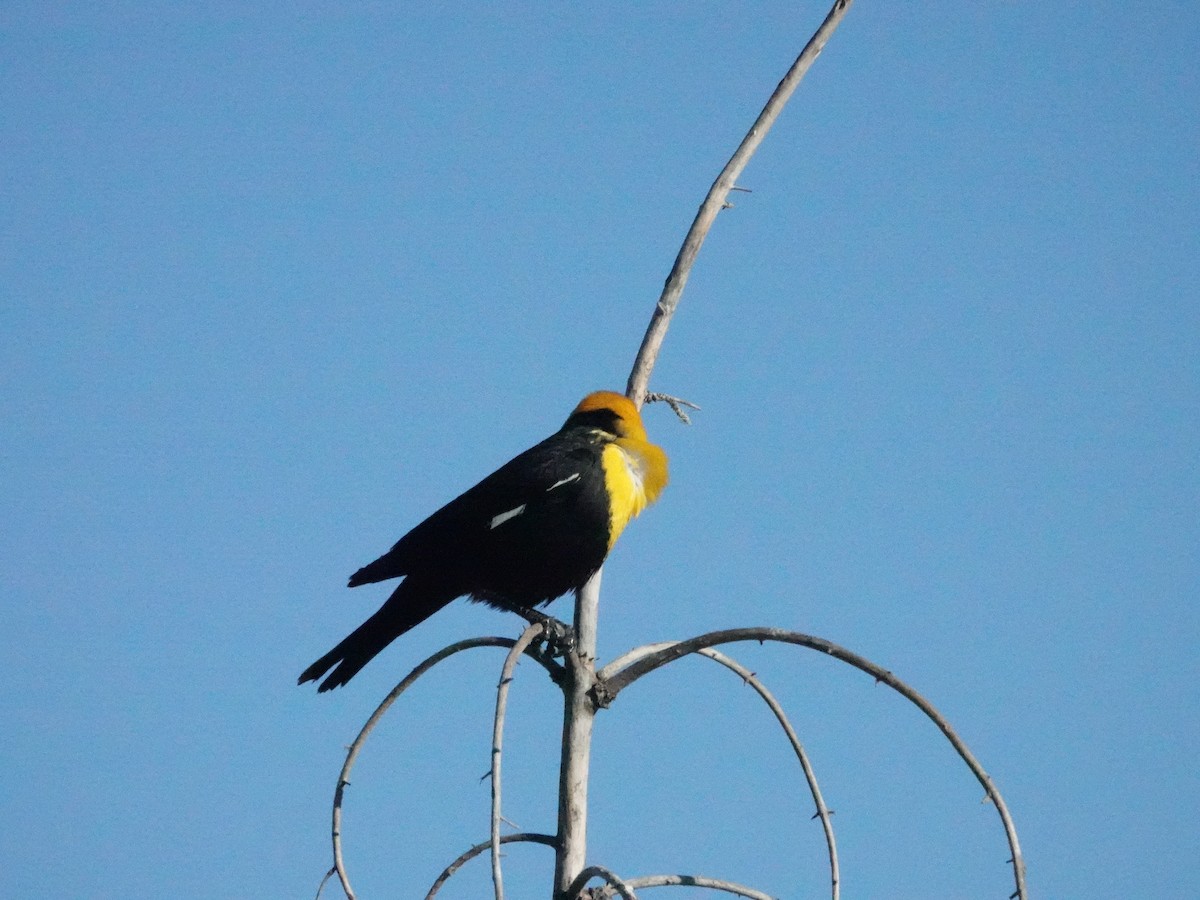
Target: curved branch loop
x=529 y=837
x=810 y=776
x=643 y=663
x=731 y=887
x=339 y=864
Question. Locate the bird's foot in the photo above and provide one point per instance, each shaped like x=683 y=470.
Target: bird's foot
x=558 y=636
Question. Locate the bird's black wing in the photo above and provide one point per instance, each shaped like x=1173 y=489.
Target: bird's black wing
x=541 y=509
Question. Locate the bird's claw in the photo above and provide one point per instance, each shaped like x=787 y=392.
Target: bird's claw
x=558 y=636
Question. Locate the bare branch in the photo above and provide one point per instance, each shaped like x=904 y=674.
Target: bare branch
x=579 y=714
x=600 y=872
x=629 y=657
x=548 y=839
x=731 y=887
x=651 y=661
x=639 y=378
x=809 y=775
x=528 y=636
x=339 y=864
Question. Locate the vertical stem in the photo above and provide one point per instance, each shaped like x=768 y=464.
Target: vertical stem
x=506 y=678
x=579 y=712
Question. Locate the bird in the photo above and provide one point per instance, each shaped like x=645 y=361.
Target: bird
x=539 y=526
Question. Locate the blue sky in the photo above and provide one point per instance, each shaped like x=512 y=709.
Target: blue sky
x=279 y=281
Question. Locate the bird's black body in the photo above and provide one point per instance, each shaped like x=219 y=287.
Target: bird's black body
x=533 y=530
x=527 y=559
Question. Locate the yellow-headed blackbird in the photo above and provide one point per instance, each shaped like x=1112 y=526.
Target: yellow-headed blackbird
x=537 y=527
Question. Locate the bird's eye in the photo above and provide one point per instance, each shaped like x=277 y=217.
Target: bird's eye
x=604 y=419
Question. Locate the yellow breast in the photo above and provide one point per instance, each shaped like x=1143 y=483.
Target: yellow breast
x=635 y=472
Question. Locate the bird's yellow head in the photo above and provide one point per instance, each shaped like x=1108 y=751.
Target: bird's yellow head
x=635 y=470
x=611 y=412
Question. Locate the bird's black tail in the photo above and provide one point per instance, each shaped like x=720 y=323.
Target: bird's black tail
x=410 y=604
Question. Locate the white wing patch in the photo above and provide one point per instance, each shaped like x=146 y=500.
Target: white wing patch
x=505 y=516
x=562 y=481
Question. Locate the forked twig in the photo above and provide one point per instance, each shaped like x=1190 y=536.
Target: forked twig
x=324 y=881
x=548 y=839
x=716 y=199
x=339 y=864
x=528 y=636
x=676 y=403
x=614 y=681
x=810 y=776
